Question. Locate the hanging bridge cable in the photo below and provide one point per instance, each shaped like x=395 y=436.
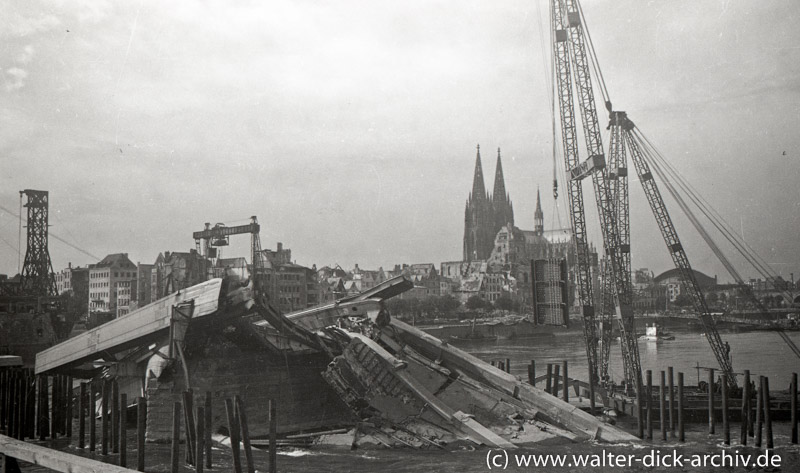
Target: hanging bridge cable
x=741 y=246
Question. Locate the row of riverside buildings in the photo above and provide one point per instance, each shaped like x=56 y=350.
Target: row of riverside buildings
x=496 y=262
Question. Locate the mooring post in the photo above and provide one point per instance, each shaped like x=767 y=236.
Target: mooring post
x=711 y=400
x=233 y=431
x=114 y=416
x=681 y=436
x=92 y=414
x=556 y=379
x=82 y=417
x=745 y=412
x=662 y=405
x=176 y=438
x=208 y=429
x=793 y=406
x=565 y=384
x=200 y=435
x=759 y=410
x=248 y=452
x=273 y=437
x=105 y=403
x=123 y=431
x=548 y=387
x=726 y=428
x=670 y=375
x=649 y=395
x=141 y=427
x=767 y=414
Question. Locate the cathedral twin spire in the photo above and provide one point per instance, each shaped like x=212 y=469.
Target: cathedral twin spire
x=485 y=214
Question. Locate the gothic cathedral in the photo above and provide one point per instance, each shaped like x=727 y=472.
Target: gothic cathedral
x=485 y=214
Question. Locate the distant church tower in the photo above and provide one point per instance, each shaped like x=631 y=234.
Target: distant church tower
x=484 y=214
x=538 y=216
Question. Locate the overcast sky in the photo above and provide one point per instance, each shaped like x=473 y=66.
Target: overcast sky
x=349 y=127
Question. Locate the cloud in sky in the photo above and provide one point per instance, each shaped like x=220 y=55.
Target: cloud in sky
x=349 y=128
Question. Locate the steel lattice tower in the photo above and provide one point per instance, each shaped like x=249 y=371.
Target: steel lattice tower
x=37 y=272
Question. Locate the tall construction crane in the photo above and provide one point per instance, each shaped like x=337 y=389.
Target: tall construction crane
x=611 y=192
x=570 y=52
x=577 y=214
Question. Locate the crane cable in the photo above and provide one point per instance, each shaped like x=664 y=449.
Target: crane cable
x=593 y=58
x=742 y=247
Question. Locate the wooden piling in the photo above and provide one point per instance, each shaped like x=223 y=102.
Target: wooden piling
x=105 y=419
x=188 y=413
x=123 y=430
x=549 y=381
x=591 y=394
x=141 y=427
x=68 y=399
x=200 y=435
x=30 y=404
x=793 y=407
x=649 y=394
x=767 y=415
x=501 y=365
x=745 y=411
x=639 y=407
x=532 y=373
x=556 y=379
x=273 y=434
x=711 y=401
x=670 y=378
x=681 y=436
x=248 y=452
x=726 y=427
x=54 y=399
x=114 y=416
x=508 y=365
x=82 y=417
x=92 y=414
x=759 y=411
x=175 y=457
x=662 y=406
x=208 y=429
x=565 y=384
x=233 y=430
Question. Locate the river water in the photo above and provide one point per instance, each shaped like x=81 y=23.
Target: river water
x=762 y=352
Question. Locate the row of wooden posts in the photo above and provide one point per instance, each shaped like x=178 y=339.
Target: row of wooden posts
x=44 y=407
x=34 y=406
x=752 y=421
x=198 y=433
